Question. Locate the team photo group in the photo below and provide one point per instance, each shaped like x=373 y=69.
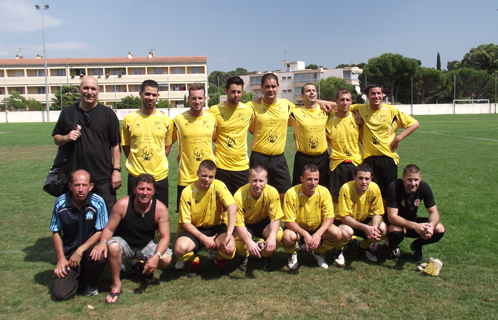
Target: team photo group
x=343 y=190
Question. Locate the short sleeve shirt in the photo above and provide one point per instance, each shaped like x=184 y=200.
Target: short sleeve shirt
x=251 y=211
x=407 y=204
x=360 y=206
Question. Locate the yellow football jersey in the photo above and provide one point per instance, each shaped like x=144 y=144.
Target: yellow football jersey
x=230 y=147
x=194 y=135
x=309 y=130
x=204 y=209
x=379 y=129
x=342 y=136
x=251 y=211
x=360 y=207
x=147 y=137
x=269 y=126
x=308 y=212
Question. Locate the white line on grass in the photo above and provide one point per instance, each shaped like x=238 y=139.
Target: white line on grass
x=470 y=130
x=452 y=135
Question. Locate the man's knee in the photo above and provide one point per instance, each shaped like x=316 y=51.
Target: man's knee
x=289 y=238
x=114 y=250
x=333 y=234
x=439 y=228
x=347 y=231
x=183 y=245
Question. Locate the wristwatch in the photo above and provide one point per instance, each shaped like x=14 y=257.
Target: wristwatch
x=118 y=169
x=160 y=255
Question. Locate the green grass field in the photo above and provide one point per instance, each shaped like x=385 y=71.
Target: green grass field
x=457 y=155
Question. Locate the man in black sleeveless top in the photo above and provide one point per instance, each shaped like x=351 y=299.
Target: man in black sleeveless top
x=131 y=232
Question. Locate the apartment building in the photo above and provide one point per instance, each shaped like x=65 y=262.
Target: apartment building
x=118 y=77
x=295 y=75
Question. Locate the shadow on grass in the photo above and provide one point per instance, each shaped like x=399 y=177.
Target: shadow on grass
x=43 y=250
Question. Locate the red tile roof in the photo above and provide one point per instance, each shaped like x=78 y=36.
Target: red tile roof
x=102 y=61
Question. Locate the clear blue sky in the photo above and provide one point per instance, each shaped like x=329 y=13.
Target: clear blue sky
x=250 y=34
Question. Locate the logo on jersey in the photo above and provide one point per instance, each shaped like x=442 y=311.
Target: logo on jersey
x=374 y=140
x=230 y=142
x=313 y=143
x=346 y=152
x=403 y=202
x=157 y=125
x=272 y=136
x=241 y=116
x=147 y=154
x=205 y=124
x=198 y=154
x=417 y=202
x=89 y=215
x=317 y=205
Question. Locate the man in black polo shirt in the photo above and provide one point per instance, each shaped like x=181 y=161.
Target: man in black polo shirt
x=405 y=195
x=131 y=233
x=77 y=222
x=91 y=132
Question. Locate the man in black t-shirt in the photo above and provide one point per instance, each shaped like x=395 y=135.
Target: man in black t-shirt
x=91 y=131
x=404 y=198
x=131 y=233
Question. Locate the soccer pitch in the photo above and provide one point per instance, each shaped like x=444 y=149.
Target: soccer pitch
x=457 y=155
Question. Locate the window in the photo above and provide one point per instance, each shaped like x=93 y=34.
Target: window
x=117 y=72
x=177 y=87
x=137 y=88
x=163 y=87
x=118 y=89
x=60 y=73
x=19 y=89
x=40 y=73
x=18 y=73
x=101 y=88
x=97 y=72
x=307 y=77
x=40 y=90
x=158 y=70
x=1 y=91
x=137 y=71
x=178 y=70
x=297 y=91
x=196 y=70
x=255 y=81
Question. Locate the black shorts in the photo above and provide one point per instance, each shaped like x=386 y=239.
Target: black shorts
x=385 y=171
x=300 y=240
x=410 y=233
x=278 y=171
x=162 y=189
x=343 y=173
x=360 y=233
x=321 y=161
x=232 y=179
x=257 y=228
x=209 y=232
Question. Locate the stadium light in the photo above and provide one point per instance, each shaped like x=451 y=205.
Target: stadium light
x=46 y=7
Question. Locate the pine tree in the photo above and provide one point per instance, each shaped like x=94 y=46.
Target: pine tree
x=438 y=63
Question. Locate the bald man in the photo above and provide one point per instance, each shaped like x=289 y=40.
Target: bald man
x=90 y=132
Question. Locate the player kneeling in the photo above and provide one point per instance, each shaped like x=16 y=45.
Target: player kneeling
x=360 y=211
x=309 y=219
x=258 y=215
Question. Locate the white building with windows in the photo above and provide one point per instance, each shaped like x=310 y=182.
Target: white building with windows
x=295 y=76
x=117 y=77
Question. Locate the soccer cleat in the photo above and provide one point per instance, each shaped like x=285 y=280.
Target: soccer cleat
x=292 y=261
x=267 y=265
x=339 y=258
x=395 y=254
x=368 y=254
x=243 y=264
x=320 y=259
x=179 y=265
x=374 y=247
x=194 y=268
x=417 y=251
x=91 y=291
x=211 y=256
x=223 y=267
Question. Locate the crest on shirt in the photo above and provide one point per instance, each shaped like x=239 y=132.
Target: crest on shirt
x=147 y=154
x=417 y=202
x=137 y=125
x=374 y=140
x=89 y=215
x=403 y=202
x=157 y=125
x=205 y=124
x=317 y=205
x=230 y=142
x=272 y=136
x=240 y=116
x=346 y=152
x=313 y=143
x=198 y=154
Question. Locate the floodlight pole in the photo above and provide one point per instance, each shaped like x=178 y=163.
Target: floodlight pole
x=46 y=7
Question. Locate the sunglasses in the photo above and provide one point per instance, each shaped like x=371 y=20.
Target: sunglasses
x=86 y=118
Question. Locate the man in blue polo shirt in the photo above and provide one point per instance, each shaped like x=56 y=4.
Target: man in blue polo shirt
x=77 y=222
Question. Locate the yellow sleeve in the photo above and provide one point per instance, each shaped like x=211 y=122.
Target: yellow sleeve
x=240 y=209
x=125 y=133
x=185 y=214
x=405 y=120
x=274 y=207
x=377 y=206
x=168 y=139
x=327 y=205
x=345 y=203
x=225 y=195
x=289 y=208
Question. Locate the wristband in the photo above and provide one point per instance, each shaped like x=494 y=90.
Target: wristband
x=103 y=241
x=160 y=255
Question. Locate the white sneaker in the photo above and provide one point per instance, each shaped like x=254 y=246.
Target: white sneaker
x=212 y=257
x=292 y=261
x=179 y=265
x=320 y=259
x=339 y=258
